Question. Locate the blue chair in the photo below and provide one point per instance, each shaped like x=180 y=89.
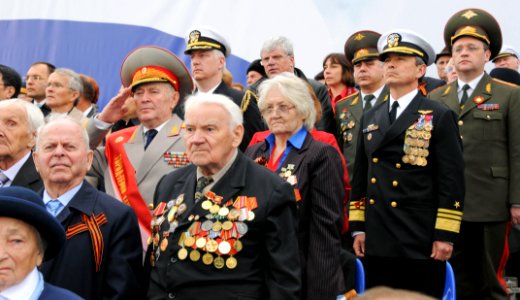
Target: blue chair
x=449 y=285
x=360 y=277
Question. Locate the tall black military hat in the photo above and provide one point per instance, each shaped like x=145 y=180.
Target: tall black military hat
x=476 y=23
x=362 y=45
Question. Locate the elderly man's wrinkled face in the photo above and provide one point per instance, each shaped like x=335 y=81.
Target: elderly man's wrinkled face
x=510 y=62
x=19 y=251
x=61 y=157
x=210 y=140
x=155 y=102
x=276 y=62
x=60 y=97
x=16 y=138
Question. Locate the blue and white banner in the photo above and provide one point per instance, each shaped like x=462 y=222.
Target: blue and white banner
x=93 y=37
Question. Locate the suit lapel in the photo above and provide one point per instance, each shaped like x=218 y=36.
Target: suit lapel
x=295 y=156
x=409 y=115
x=84 y=201
x=450 y=97
x=27 y=175
x=187 y=184
x=356 y=108
x=481 y=92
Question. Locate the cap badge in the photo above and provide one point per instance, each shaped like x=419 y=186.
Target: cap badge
x=144 y=70
x=359 y=37
x=361 y=53
x=469 y=14
x=468 y=30
x=393 y=40
x=194 y=36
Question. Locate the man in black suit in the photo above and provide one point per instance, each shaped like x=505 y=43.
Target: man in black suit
x=208 y=50
x=36 y=81
x=19 y=121
x=102 y=256
x=223 y=227
x=408 y=191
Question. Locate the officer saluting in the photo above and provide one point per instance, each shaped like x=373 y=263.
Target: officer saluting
x=488 y=111
x=361 y=50
x=408 y=191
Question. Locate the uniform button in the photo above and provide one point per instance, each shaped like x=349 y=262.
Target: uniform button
x=398 y=165
x=171 y=296
x=373 y=180
x=375 y=160
x=461 y=137
x=395 y=183
x=393 y=204
x=460 y=122
x=150 y=206
x=488 y=117
x=173 y=260
x=372 y=201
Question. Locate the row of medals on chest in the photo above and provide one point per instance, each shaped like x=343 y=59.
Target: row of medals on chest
x=417 y=141
x=218 y=235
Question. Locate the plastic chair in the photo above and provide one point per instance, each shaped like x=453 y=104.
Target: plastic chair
x=449 y=285
x=360 y=277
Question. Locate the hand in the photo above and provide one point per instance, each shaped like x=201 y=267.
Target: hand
x=359 y=245
x=515 y=215
x=113 y=111
x=441 y=250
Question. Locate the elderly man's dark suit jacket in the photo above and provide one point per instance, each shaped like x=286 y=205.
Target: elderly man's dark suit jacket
x=268 y=265
x=491 y=146
x=349 y=111
x=51 y=292
x=28 y=176
x=74 y=268
x=319 y=175
x=404 y=208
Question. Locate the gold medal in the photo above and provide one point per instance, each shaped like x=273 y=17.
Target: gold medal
x=233 y=214
x=231 y=262
x=214 y=209
x=156 y=240
x=189 y=241
x=227 y=225
x=207 y=259
x=211 y=245
x=149 y=241
x=349 y=137
x=201 y=242
x=164 y=244
x=194 y=255
x=238 y=246
x=405 y=159
x=223 y=211
x=217 y=226
x=182 y=254
x=218 y=262
x=224 y=247
x=369 y=136
x=206 y=204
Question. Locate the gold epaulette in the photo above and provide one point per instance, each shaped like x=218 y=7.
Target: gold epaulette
x=347 y=97
x=246 y=99
x=500 y=81
x=447 y=86
x=357 y=211
x=448 y=220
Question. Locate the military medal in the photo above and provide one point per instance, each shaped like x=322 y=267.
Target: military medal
x=231 y=262
x=227 y=225
x=201 y=242
x=207 y=259
x=206 y=204
x=164 y=244
x=238 y=246
x=218 y=262
x=211 y=245
x=224 y=247
x=182 y=254
x=194 y=255
x=189 y=241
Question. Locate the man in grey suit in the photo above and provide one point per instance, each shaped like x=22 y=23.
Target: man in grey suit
x=19 y=121
x=135 y=158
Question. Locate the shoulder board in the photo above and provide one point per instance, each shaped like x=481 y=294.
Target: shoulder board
x=348 y=97
x=499 y=81
x=446 y=86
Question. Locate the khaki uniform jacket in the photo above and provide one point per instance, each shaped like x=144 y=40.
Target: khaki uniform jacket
x=349 y=111
x=489 y=127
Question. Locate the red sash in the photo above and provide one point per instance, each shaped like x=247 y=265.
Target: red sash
x=122 y=174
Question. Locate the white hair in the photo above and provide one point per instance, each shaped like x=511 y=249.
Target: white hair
x=33 y=114
x=278 y=42
x=294 y=90
x=66 y=119
x=196 y=101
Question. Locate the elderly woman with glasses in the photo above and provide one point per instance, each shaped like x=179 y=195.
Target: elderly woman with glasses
x=315 y=171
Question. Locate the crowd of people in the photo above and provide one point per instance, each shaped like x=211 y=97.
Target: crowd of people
x=187 y=186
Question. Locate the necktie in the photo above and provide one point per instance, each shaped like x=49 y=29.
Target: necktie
x=464 y=97
x=149 y=135
x=201 y=184
x=3 y=179
x=368 y=104
x=393 y=112
x=54 y=207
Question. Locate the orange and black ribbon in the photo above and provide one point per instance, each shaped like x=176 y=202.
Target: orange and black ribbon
x=92 y=224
